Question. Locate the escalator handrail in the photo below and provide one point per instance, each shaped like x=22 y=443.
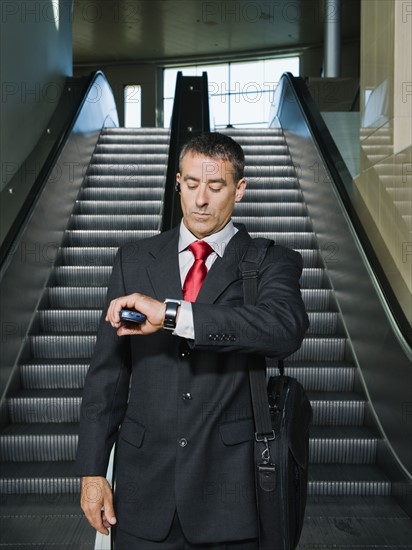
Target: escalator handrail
x=343 y=180
x=190 y=117
x=46 y=169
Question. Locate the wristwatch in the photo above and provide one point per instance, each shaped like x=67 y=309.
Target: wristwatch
x=172 y=307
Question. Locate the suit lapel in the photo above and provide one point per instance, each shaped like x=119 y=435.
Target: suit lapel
x=224 y=270
x=164 y=273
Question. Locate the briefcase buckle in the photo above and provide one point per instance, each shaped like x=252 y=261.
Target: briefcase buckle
x=265 y=438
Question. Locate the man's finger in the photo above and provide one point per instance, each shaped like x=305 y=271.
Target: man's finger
x=108 y=513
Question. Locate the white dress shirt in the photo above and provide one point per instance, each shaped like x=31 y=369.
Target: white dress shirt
x=218 y=242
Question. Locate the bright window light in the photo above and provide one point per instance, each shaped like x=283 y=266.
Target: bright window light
x=133 y=106
x=240 y=94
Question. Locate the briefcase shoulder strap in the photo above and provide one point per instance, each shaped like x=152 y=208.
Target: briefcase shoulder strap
x=249 y=267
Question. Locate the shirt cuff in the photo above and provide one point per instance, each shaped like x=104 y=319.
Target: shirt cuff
x=185 y=326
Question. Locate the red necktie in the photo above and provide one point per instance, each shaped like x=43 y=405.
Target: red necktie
x=197 y=272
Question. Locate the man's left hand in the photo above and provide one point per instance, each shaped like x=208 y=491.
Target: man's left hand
x=153 y=309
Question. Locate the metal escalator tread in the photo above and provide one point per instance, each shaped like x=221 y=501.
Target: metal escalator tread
x=39 y=442
x=355 y=522
x=40 y=522
x=117 y=203
x=54 y=374
x=50 y=477
x=99 y=275
x=343 y=467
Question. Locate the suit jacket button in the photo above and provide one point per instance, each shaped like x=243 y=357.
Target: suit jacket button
x=184 y=350
x=186 y=396
x=183 y=442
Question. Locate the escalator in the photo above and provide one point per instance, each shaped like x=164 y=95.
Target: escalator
x=349 y=504
x=352 y=478
x=120 y=201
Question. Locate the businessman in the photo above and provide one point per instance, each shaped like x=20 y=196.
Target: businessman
x=173 y=392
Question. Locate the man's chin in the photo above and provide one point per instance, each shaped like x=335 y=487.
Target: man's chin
x=201 y=228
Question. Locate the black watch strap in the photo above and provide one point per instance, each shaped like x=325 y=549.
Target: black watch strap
x=172 y=307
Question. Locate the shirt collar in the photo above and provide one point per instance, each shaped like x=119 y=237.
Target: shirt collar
x=218 y=241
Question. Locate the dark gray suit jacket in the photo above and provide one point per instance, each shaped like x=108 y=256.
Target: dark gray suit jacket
x=186 y=436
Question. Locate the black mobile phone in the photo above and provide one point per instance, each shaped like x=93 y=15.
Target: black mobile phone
x=132 y=316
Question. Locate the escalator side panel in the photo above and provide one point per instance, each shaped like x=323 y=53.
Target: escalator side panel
x=383 y=365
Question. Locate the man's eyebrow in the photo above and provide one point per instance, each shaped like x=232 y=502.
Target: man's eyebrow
x=212 y=180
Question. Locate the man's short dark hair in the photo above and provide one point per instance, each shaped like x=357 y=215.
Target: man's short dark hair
x=219 y=146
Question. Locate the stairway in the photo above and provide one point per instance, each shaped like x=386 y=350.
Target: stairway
x=349 y=503
x=120 y=201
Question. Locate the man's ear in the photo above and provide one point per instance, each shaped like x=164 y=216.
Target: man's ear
x=240 y=189
x=177 y=184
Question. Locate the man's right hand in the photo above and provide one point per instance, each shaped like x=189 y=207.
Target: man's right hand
x=97 y=503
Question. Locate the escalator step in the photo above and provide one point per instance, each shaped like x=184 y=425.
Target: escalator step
x=281 y=209
x=271 y=195
x=127 y=171
x=82 y=275
x=264 y=150
x=41 y=478
x=258 y=186
x=50 y=346
x=269 y=139
x=336 y=376
x=91 y=256
x=342 y=445
x=258 y=173
x=131 y=149
x=323 y=322
x=143 y=181
x=36 y=442
x=46 y=410
x=347 y=480
x=93 y=297
x=38 y=448
x=106 y=237
x=121 y=194
x=108 y=222
x=126 y=160
x=337 y=409
x=320 y=349
x=68 y=321
x=87 y=207
x=76 y=297
x=315 y=376
x=62 y=346
x=99 y=276
x=355 y=522
x=292 y=224
x=54 y=375
x=143 y=133
x=272 y=160
x=261 y=132
x=291 y=239
x=86 y=321
x=57 y=406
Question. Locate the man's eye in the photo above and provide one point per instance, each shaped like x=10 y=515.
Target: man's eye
x=215 y=189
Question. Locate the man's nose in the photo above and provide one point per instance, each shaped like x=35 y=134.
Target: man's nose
x=201 y=196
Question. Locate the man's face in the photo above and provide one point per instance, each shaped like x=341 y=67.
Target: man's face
x=208 y=193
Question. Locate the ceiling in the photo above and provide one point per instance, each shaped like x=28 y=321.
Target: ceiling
x=167 y=31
